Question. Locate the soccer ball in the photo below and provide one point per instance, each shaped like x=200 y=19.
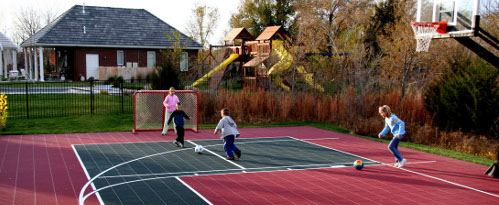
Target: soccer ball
x=198 y=149
x=358 y=164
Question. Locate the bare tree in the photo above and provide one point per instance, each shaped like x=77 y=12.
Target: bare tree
x=203 y=23
x=26 y=25
x=331 y=28
x=3 y=26
x=29 y=20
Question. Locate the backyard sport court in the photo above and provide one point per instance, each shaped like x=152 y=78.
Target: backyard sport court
x=288 y=165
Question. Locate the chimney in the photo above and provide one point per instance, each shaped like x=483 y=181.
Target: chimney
x=83 y=7
x=84 y=29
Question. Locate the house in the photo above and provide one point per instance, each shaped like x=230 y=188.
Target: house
x=99 y=42
x=8 y=56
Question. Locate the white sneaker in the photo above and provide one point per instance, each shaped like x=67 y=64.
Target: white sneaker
x=397 y=164
x=402 y=163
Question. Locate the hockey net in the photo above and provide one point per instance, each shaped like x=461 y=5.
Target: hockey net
x=149 y=112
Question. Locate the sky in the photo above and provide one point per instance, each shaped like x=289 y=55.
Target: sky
x=174 y=12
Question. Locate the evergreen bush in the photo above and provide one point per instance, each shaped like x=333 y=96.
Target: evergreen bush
x=465 y=97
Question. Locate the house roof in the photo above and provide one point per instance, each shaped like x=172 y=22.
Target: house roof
x=270 y=31
x=7 y=44
x=91 y=26
x=239 y=33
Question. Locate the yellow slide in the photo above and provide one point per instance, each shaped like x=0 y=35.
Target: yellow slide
x=224 y=64
x=284 y=64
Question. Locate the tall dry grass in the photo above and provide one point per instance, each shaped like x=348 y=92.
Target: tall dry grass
x=345 y=110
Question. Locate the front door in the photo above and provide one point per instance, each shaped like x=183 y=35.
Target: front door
x=93 y=66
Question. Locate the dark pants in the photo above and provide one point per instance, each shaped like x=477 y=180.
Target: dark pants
x=229 y=145
x=180 y=134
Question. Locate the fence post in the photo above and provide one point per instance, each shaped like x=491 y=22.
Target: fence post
x=91 y=96
x=27 y=100
x=121 y=90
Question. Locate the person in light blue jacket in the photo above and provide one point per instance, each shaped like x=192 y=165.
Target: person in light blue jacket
x=397 y=127
x=228 y=131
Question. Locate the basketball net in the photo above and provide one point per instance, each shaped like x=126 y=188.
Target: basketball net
x=424 y=31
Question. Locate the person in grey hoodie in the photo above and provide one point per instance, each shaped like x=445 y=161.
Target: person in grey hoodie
x=228 y=132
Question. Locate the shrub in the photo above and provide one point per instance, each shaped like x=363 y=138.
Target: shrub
x=117 y=81
x=139 y=77
x=104 y=92
x=165 y=77
x=465 y=97
x=3 y=111
x=110 y=80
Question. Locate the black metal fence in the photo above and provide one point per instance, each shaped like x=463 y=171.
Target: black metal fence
x=57 y=99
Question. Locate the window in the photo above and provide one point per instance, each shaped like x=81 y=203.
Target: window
x=151 y=58
x=184 y=64
x=120 y=58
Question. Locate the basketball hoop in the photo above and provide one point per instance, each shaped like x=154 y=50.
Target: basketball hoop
x=424 y=31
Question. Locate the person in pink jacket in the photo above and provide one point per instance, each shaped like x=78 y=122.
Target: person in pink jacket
x=170 y=101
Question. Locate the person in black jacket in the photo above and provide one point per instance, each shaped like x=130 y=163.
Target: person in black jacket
x=178 y=119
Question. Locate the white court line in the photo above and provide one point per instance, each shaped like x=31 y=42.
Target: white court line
x=193 y=190
x=256 y=141
x=334 y=149
x=453 y=183
x=228 y=170
x=332 y=138
x=86 y=173
x=83 y=197
x=425 y=175
x=166 y=177
x=220 y=156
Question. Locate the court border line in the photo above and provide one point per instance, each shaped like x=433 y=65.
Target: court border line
x=289 y=169
x=83 y=197
x=235 y=171
x=193 y=190
x=243 y=170
x=219 y=156
x=429 y=176
x=453 y=183
x=86 y=173
x=195 y=173
x=334 y=149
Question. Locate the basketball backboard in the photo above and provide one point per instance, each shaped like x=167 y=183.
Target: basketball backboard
x=460 y=15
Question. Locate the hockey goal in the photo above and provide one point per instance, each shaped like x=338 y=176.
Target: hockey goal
x=149 y=112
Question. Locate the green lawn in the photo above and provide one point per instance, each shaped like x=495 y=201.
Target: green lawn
x=124 y=122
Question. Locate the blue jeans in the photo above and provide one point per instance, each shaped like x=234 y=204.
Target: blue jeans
x=229 y=145
x=393 y=147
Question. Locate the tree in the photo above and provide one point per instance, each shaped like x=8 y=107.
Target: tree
x=27 y=24
x=255 y=15
x=381 y=23
x=203 y=23
x=3 y=25
x=332 y=27
x=466 y=96
x=166 y=75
